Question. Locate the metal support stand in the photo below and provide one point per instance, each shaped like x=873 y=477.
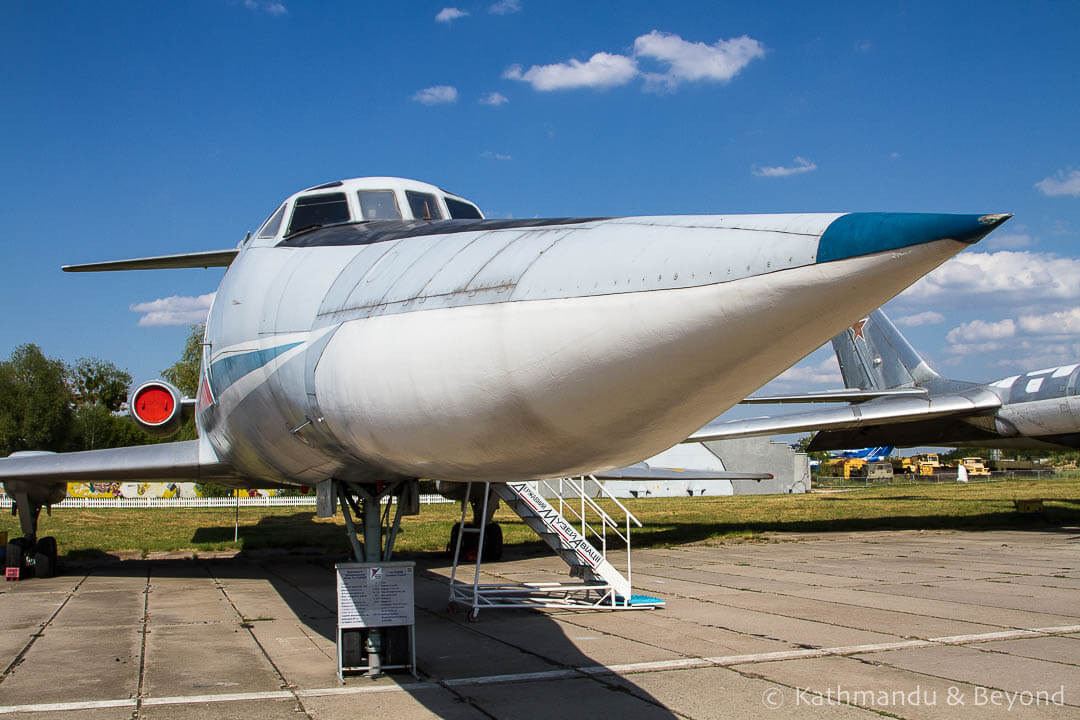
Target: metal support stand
x=376 y=526
x=481 y=516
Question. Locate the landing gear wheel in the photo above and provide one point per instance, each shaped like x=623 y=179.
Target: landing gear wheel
x=15 y=555
x=493 y=543
x=45 y=557
x=454 y=532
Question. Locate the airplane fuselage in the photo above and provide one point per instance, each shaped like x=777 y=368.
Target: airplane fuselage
x=494 y=350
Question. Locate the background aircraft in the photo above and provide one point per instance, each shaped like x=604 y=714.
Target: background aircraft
x=897 y=398
x=869 y=454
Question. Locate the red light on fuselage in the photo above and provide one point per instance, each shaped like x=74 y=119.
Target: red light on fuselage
x=154 y=405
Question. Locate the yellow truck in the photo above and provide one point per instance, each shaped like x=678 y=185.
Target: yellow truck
x=924 y=464
x=975 y=467
x=844 y=467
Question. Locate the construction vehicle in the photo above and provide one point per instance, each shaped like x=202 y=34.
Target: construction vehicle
x=924 y=464
x=843 y=467
x=975 y=467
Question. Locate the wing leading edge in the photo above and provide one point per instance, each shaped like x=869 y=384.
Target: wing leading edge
x=204 y=259
x=164 y=462
x=833 y=396
x=883 y=411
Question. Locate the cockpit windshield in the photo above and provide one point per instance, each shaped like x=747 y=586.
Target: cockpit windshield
x=319 y=210
x=423 y=205
x=460 y=210
x=378 y=205
x=273 y=223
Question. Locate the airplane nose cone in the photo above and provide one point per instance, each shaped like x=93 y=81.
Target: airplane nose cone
x=865 y=233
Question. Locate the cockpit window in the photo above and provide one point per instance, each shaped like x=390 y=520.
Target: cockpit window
x=460 y=210
x=378 y=205
x=273 y=223
x=318 y=210
x=424 y=206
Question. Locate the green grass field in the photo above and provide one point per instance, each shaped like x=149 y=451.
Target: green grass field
x=976 y=506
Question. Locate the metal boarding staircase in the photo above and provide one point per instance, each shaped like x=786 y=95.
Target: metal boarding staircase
x=601 y=586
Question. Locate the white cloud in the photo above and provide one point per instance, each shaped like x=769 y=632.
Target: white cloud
x=495 y=98
x=1062 y=322
x=174 y=310
x=977 y=330
x=685 y=61
x=602 y=70
x=1006 y=276
x=1060 y=184
x=1031 y=342
x=826 y=372
x=271 y=7
x=489 y=155
x=449 y=14
x=1020 y=354
x=505 y=7
x=437 y=95
x=1009 y=241
x=802 y=165
x=924 y=318
x=690 y=61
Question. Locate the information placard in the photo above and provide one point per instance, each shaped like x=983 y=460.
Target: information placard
x=375 y=594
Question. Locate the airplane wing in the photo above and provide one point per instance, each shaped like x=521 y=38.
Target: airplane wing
x=173 y=462
x=848 y=395
x=204 y=259
x=888 y=410
x=643 y=472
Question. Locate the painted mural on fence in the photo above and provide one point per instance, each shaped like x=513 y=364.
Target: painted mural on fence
x=147 y=490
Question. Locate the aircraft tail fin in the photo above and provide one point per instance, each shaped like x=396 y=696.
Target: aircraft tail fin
x=873 y=355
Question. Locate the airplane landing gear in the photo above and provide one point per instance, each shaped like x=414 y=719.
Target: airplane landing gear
x=29 y=556
x=473 y=494
x=373 y=542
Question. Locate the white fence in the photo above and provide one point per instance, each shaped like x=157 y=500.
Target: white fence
x=198 y=502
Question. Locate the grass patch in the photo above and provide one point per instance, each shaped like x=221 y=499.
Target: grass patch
x=85 y=534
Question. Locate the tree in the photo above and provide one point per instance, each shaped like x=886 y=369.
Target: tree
x=804 y=442
x=100 y=382
x=35 y=402
x=96 y=427
x=184 y=374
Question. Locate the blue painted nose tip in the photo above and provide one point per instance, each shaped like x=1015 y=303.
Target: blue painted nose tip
x=865 y=233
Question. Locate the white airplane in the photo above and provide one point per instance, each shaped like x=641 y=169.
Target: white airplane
x=379 y=330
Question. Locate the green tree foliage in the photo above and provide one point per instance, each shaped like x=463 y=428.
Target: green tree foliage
x=184 y=373
x=96 y=427
x=804 y=442
x=100 y=390
x=35 y=402
x=99 y=382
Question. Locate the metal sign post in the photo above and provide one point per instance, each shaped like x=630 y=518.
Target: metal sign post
x=376 y=618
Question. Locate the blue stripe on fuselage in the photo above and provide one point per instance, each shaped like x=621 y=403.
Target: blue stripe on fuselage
x=229 y=369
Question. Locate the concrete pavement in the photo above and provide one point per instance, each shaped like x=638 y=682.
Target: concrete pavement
x=844 y=625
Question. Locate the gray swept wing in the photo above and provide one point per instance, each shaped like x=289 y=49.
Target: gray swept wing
x=878 y=412
x=636 y=472
x=204 y=259
x=828 y=396
x=165 y=462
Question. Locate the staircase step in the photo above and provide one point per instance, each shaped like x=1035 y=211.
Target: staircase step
x=561 y=535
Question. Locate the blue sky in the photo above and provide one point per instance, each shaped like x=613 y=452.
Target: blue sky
x=136 y=128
